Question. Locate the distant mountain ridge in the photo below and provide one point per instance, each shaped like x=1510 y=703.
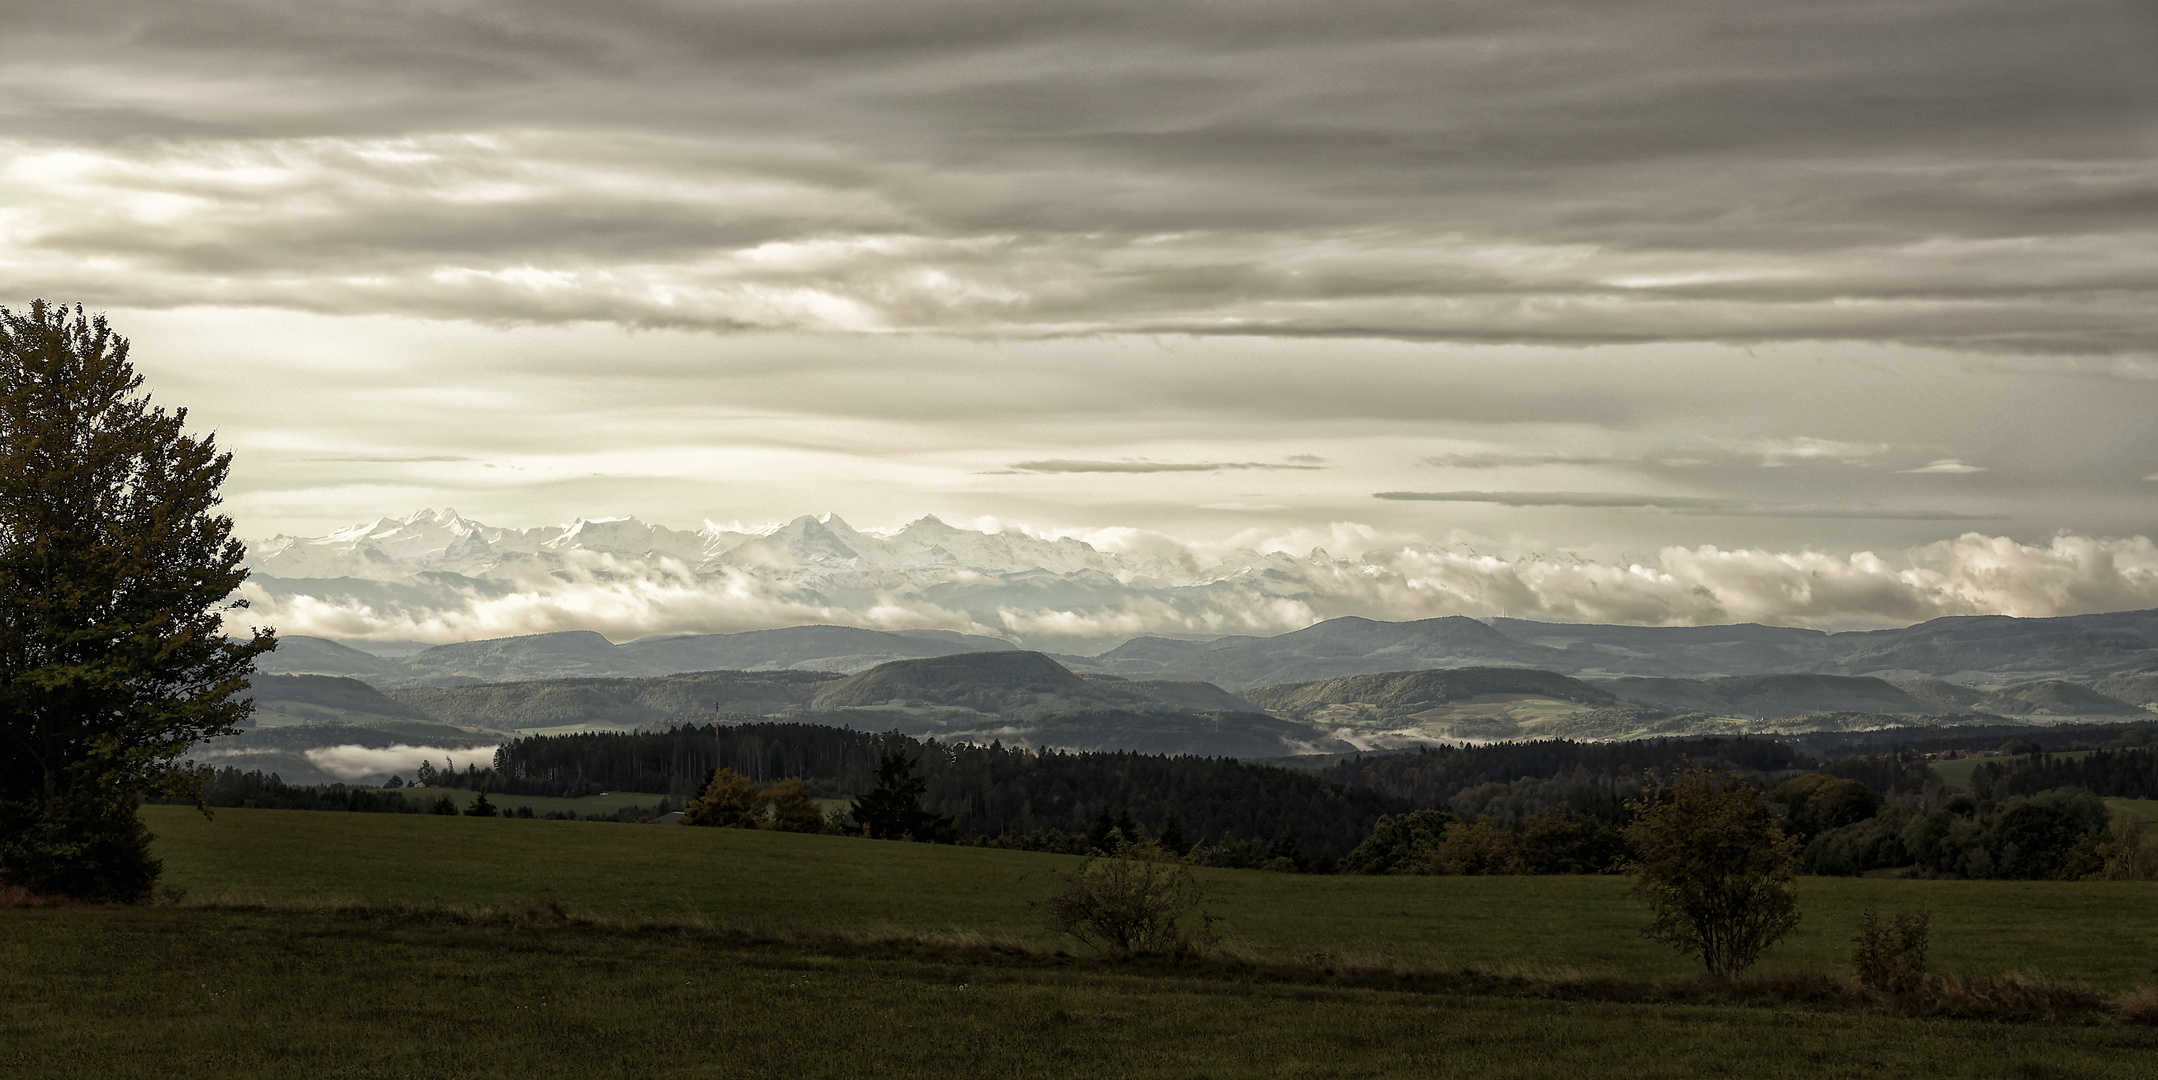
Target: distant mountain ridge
x=1992 y=648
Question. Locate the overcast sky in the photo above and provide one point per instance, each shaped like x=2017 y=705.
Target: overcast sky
x=1603 y=278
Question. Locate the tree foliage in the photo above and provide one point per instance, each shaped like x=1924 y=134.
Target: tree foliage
x=731 y=800
x=893 y=809
x=1714 y=869
x=115 y=571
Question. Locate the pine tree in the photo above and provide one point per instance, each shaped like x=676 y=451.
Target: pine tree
x=482 y=808
x=893 y=809
x=115 y=574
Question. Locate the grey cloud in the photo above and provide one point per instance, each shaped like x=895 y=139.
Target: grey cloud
x=1564 y=498
x=1971 y=174
x=1679 y=504
x=1063 y=466
x=1503 y=460
x=389 y=459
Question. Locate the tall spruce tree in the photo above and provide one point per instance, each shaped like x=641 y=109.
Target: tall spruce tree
x=115 y=574
x=893 y=809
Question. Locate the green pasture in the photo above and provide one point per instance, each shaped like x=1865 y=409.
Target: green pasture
x=179 y=993
x=300 y=988
x=2102 y=933
x=1957 y=773
x=2147 y=809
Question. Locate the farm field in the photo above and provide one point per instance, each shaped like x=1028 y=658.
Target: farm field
x=301 y=986
x=2102 y=933
x=239 y=995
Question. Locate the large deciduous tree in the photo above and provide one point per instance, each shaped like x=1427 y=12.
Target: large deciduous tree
x=116 y=573
x=1714 y=868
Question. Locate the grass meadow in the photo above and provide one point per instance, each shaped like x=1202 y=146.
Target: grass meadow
x=329 y=944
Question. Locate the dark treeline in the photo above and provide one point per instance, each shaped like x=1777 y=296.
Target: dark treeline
x=1435 y=775
x=986 y=790
x=2113 y=774
x=833 y=762
x=996 y=791
x=1934 y=740
x=231 y=787
x=1903 y=772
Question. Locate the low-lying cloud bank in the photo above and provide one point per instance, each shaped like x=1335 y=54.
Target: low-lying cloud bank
x=437 y=577
x=353 y=762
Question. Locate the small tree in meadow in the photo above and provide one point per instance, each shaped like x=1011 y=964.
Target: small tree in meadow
x=1143 y=899
x=1714 y=868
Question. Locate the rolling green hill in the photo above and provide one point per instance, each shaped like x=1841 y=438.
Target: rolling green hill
x=2054 y=697
x=1774 y=696
x=1399 y=708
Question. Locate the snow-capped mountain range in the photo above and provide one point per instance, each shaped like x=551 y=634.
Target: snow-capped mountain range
x=436 y=576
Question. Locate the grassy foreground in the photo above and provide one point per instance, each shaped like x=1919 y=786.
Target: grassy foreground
x=180 y=992
x=2101 y=933
x=304 y=988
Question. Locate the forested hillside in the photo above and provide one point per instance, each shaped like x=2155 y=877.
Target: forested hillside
x=1434 y=775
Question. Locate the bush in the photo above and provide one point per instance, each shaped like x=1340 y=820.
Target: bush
x=731 y=800
x=87 y=849
x=1141 y=901
x=1892 y=959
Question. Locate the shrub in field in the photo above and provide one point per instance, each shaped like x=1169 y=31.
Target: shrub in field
x=731 y=800
x=1143 y=900
x=1891 y=958
x=482 y=808
x=1483 y=849
x=444 y=805
x=1714 y=869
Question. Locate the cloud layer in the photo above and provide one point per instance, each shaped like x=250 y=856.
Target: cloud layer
x=438 y=577
x=1972 y=174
